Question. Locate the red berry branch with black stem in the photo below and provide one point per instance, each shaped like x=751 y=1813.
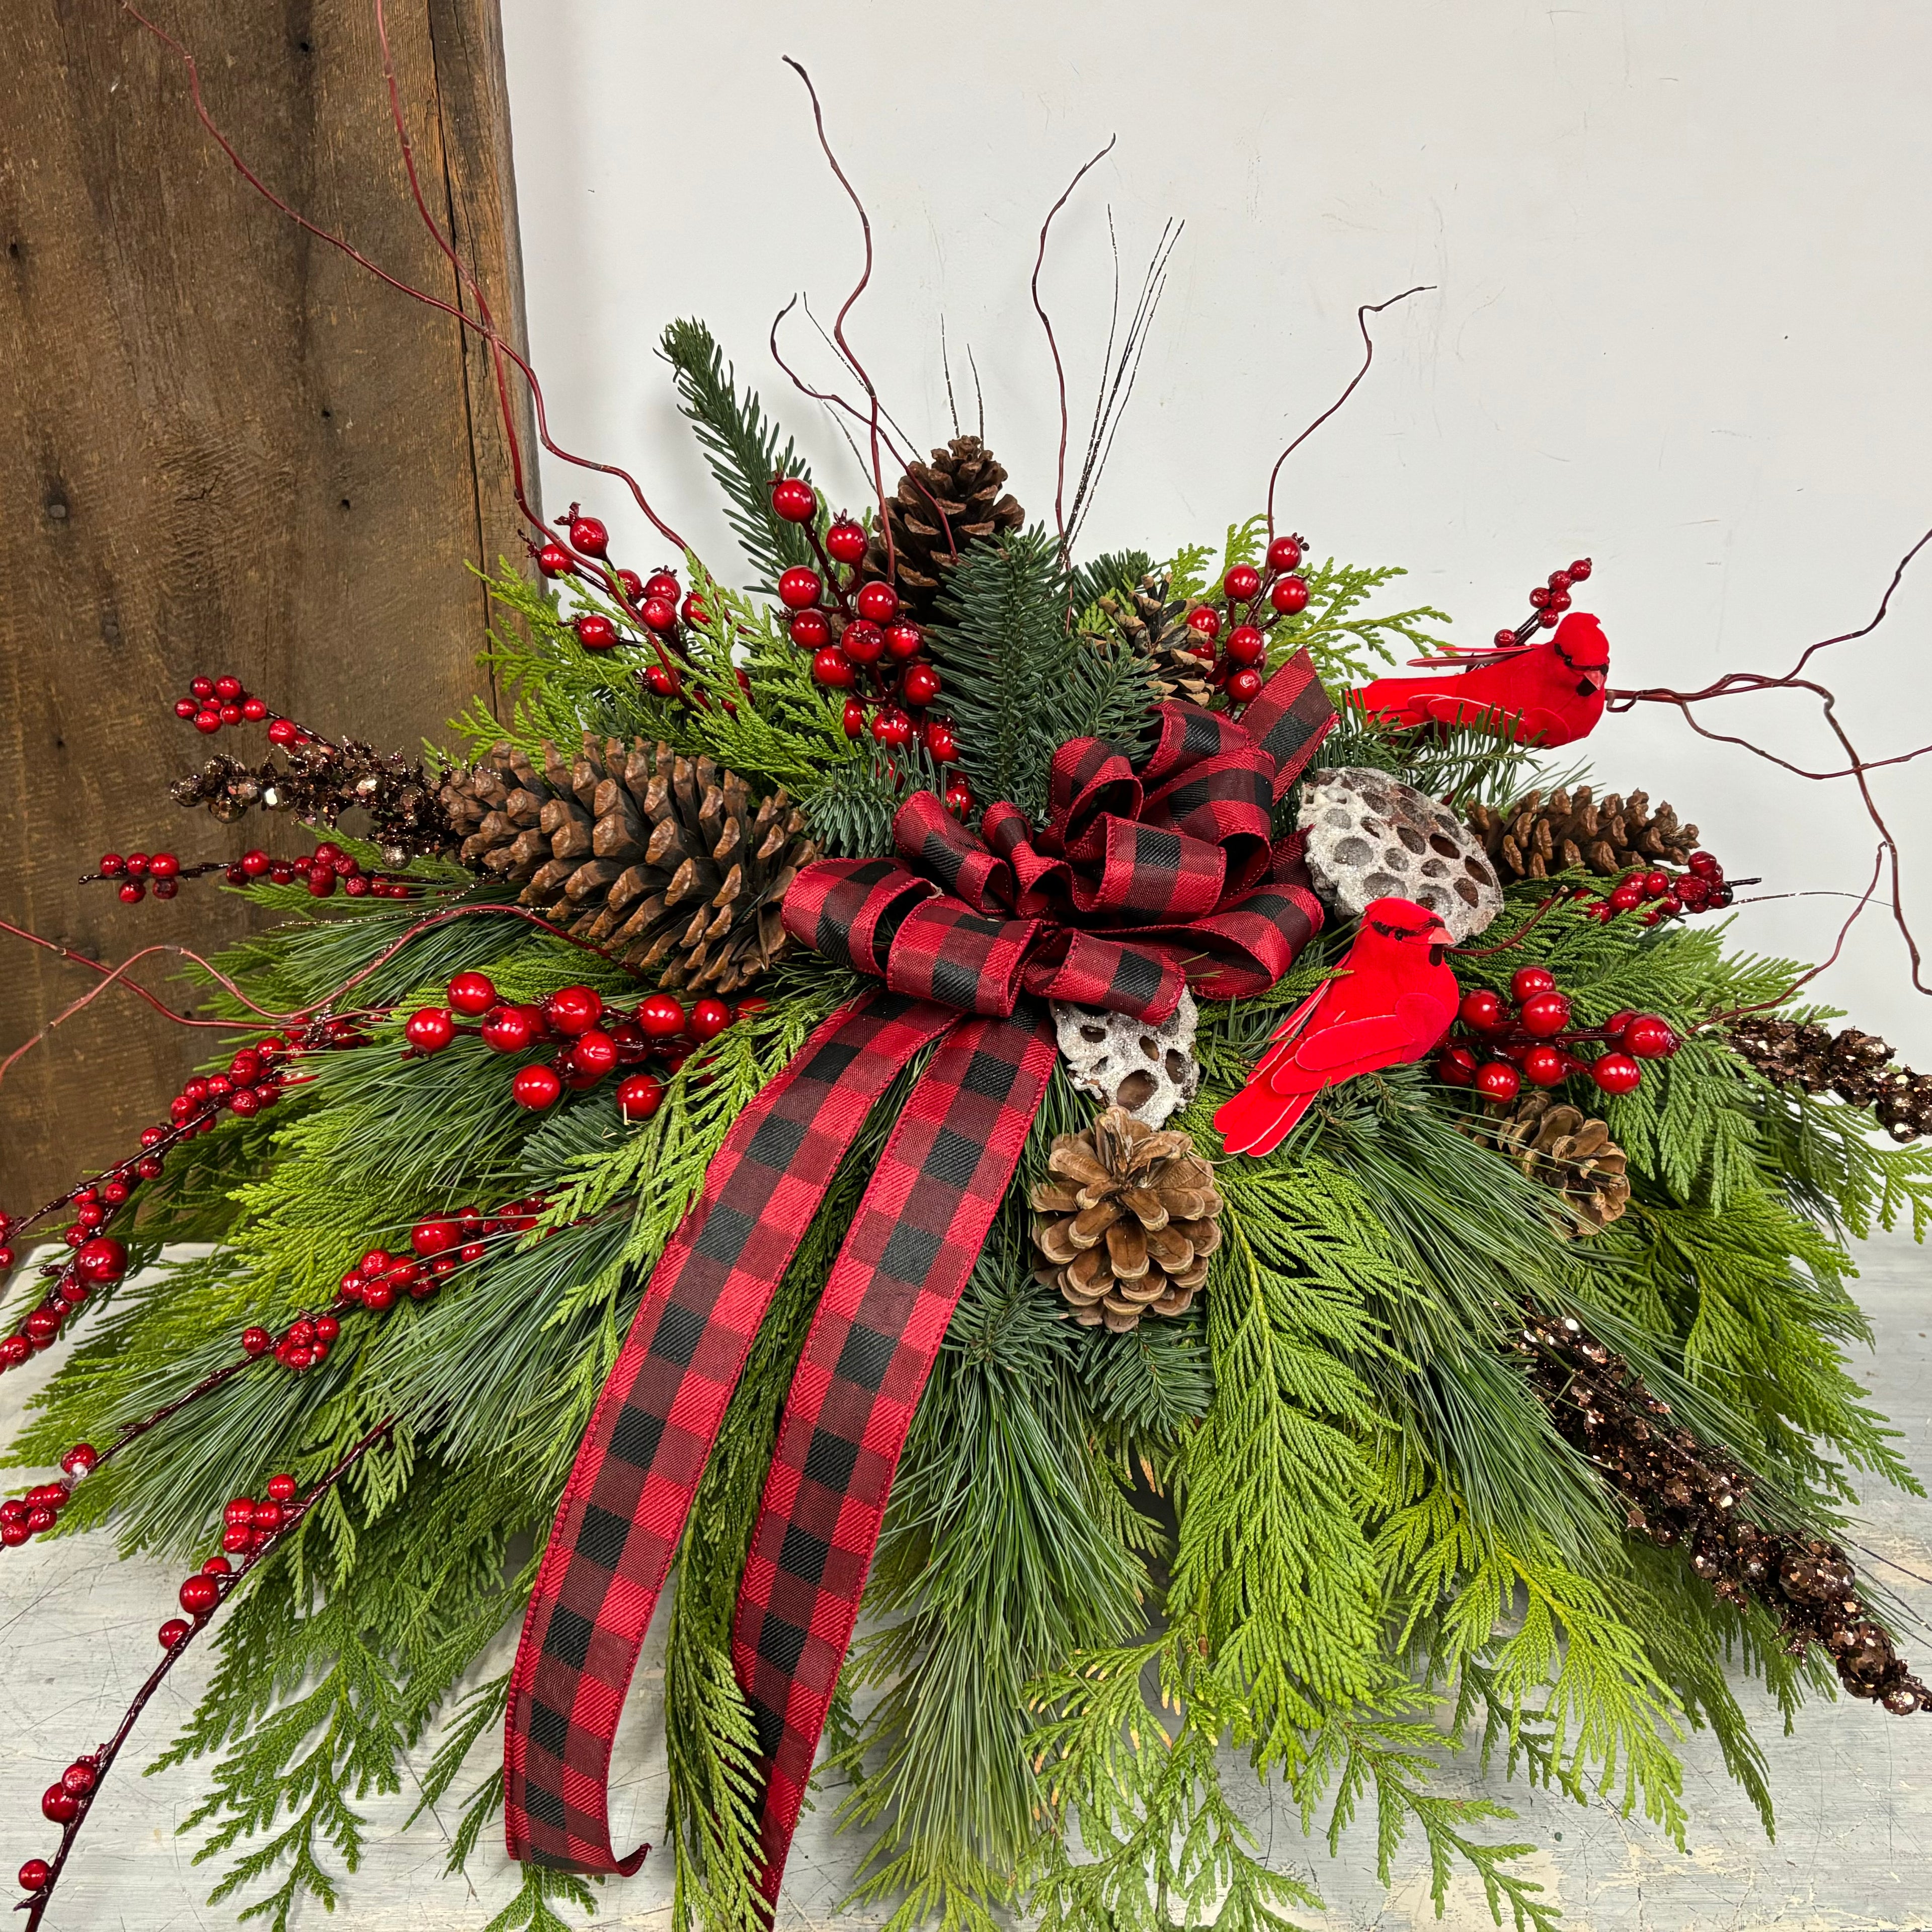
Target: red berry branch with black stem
x=68 y=1802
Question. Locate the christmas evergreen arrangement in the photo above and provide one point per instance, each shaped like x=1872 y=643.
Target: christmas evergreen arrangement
x=1093 y=1181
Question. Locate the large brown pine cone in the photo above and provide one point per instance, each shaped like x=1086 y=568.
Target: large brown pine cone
x=1857 y=1066
x=1571 y=1153
x=1155 y=625
x=667 y=863
x=938 y=508
x=1128 y=1221
x=1576 y=831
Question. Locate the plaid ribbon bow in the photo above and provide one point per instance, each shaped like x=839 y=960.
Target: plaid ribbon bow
x=1139 y=882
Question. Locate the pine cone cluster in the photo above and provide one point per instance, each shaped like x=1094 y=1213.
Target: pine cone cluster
x=1571 y=1153
x=1155 y=625
x=1127 y=1221
x=318 y=784
x=938 y=508
x=1679 y=1492
x=1856 y=1066
x=1576 y=831
x=668 y=863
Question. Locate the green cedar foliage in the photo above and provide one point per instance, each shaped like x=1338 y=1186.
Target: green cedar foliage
x=1316 y=1532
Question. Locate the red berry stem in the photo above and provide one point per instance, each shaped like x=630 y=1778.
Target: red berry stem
x=210 y=1589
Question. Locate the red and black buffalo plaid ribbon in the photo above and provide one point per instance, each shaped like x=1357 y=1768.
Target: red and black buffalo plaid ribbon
x=1141 y=881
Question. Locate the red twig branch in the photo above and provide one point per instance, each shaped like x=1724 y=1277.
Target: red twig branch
x=1046 y=322
x=476 y=324
x=102 y=1761
x=1362 y=315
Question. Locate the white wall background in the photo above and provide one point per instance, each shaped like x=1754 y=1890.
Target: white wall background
x=1683 y=295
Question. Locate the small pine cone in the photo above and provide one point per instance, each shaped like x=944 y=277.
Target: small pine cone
x=1857 y=1066
x=938 y=508
x=1565 y=831
x=667 y=863
x=1156 y=627
x=1127 y=1222
x=1571 y=1153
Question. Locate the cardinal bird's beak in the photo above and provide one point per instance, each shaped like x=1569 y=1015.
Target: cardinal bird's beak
x=1588 y=687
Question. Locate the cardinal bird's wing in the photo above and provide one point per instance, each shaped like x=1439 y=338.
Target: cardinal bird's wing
x=1257 y=1120
x=1425 y=1018
x=1326 y=1053
x=1281 y=1042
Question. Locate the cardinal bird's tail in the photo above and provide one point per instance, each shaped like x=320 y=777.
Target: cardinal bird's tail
x=1257 y=1120
x=1394 y=700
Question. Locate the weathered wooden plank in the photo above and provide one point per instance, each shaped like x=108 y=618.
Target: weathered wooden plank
x=223 y=447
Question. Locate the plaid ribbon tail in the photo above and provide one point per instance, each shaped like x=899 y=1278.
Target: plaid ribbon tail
x=891 y=1292
x=630 y=1491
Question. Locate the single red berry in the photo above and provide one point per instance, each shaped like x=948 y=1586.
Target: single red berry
x=1505 y=639
x=892 y=727
x=536 y=1087
x=1627 y=894
x=660 y=1015
x=571 y=1010
x=640 y=1096
x=811 y=630
x=1483 y=1009
x=1549 y=619
x=218 y=1566
x=1580 y=570
x=709 y=1017
x=589 y=534
x=199 y=1594
x=659 y=614
x=41 y=1518
x=33 y=1875
x=58 y=1805
x=82 y=1458
x=1456 y=1066
x=207 y=722
x=1240 y=583
x=1656 y=884
x=201 y=687
x=508 y=1030
x=1497 y=1082
x=1289 y=594
x=256 y=1341
x=832 y=668
x=163 y=865
x=185 y=707
x=1545 y=1015
x=1539 y=598
x=1703 y=866
x=80 y=1777
x=171 y=1633
x=1245 y=645
x=879 y=601
x=112 y=865
x=795 y=500
x=254 y=710
x=327 y=1328
x=594 y=632
x=100 y=1261
x=322 y=881
x=269 y=1516
x=799 y=588
x=1616 y=1073
x=1244 y=685
x=854 y=717
x=1647 y=1037
x=131 y=894
x=693 y=610
x=435 y=1236
x=236 y=1537
x=1545 y=1065
x=921 y=684
x=283 y=1489
x=471 y=994
x=660 y=587
x=903 y=640
x=941 y=742
x=1527 y=981
x=1205 y=620
x=863 y=642
x=553 y=560
x=845 y=541
x=430 y=1029
x=958 y=802
x=471 y=1251
x=1284 y=554
x=594 y=1053
x=283 y=731
x=634 y=586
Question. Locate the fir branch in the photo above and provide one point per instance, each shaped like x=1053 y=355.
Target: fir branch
x=741 y=445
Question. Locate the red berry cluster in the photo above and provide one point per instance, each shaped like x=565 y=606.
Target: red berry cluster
x=1658 y=894
x=587 y=1039
x=1250 y=604
x=1547 y=603
x=859 y=640
x=323 y=870
x=213 y=702
x=1501 y=1043
x=656 y=603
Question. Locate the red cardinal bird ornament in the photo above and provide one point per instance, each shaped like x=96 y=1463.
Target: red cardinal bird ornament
x=1392 y=1002
x=1553 y=690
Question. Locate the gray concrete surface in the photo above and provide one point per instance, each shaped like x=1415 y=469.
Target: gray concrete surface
x=1854 y=1789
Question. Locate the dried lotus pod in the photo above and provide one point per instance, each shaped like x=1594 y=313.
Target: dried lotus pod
x=1146 y=1066
x=1371 y=837
x=1128 y=1216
